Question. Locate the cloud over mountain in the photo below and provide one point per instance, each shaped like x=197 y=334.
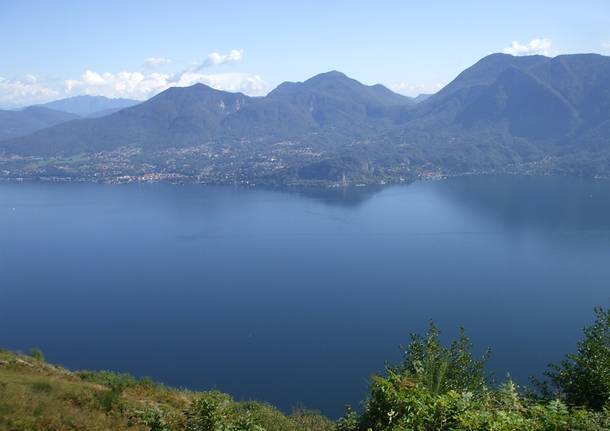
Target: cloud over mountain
x=413 y=90
x=135 y=85
x=533 y=47
x=28 y=90
x=138 y=85
x=250 y=84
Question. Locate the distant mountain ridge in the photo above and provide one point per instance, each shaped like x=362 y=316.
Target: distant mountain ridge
x=21 y=122
x=421 y=97
x=90 y=106
x=503 y=113
x=29 y=120
x=183 y=116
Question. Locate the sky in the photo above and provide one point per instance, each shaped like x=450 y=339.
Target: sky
x=135 y=49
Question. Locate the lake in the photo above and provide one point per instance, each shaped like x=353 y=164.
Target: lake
x=296 y=297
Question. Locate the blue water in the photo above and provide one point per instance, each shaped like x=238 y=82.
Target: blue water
x=297 y=297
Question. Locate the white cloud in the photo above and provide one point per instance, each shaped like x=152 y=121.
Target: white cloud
x=413 y=90
x=533 y=47
x=247 y=83
x=154 y=62
x=30 y=79
x=216 y=59
x=141 y=86
x=606 y=45
x=123 y=84
x=25 y=91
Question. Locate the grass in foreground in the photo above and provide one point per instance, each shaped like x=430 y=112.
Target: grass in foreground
x=36 y=396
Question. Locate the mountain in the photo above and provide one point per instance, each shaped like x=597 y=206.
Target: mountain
x=336 y=87
x=328 y=103
x=501 y=87
x=421 y=97
x=504 y=113
x=506 y=110
x=333 y=99
x=90 y=106
x=23 y=122
x=19 y=123
x=176 y=117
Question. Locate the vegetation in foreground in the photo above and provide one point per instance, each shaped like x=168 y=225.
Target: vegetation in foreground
x=445 y=388
x=436 y=387
x=37 y=396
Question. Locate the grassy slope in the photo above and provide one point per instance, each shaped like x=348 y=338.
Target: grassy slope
x=38 y=396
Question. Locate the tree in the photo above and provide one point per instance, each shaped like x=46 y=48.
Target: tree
x=583 y=378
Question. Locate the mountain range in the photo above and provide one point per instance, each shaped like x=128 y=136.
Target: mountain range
x=21 y=122
x=29 y=120
x=504 y=113
x=90 y=106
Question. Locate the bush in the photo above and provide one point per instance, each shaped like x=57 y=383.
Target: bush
x=148 y=383
x=269 y=418
x=440 y=369
x=216 y=411
x=444 y=389
x=583 y=378
x=307 y=420
x=153 y=418
x=108 y=378
x=37 y=354
x=115 y=382
x=207 y=413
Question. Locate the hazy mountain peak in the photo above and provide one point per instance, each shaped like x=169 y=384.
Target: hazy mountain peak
x=338 y=84
x=87 y=106
x=331 y=74
x=319 y=79
x=29 y=120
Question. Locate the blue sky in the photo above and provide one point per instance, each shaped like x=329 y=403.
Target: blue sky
x=53 y=49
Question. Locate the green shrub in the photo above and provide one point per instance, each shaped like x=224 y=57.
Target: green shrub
x=269 y=418
x=148 y=383
x=307 y=420
x=151 y=417
x=349 y=421
x=439 y=388
x=109 y=378
x=37 y=354
x=115 y=382
x=440 y=369
x=108 y=399
x=208 y=412
x=216 y=411
x=243 y=423
x=583 y=378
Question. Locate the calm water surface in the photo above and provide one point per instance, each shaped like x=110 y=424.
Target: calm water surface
x=297 y=297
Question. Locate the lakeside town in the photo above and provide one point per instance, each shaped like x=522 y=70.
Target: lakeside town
x=284 y=164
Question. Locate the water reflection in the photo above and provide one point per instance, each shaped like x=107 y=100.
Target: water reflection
x=551 y=203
